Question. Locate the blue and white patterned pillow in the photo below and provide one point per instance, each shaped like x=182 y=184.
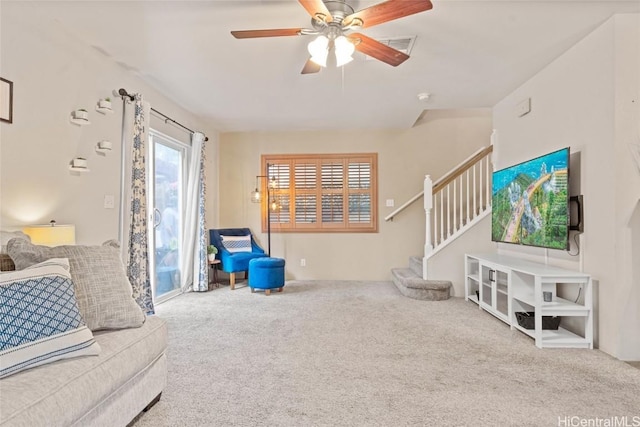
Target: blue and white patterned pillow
x=237 y=243
x=39 y=318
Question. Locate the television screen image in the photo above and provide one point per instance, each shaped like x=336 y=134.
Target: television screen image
x=530 y=202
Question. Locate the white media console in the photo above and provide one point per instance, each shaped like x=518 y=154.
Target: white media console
x=504 y=285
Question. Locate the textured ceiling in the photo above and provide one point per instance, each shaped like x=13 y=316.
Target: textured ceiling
x=467 y=54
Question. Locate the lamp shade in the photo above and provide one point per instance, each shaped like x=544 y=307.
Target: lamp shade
x=319 y=50
x=51 y=235
x=344 y=49
x=256 y=196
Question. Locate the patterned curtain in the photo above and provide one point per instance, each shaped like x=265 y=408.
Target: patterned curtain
x=138 y=263
x=195 y=236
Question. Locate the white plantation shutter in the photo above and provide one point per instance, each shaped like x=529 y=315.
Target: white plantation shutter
x=282 y=213
x=306 y=182
x=333 y=180
x=332 y=208
x=332 y=176
x=281 y=173
x=359 y=208
x=359 y=175
x=359 y=195
x=305 y=176
x=280 y=194
x=328 y=192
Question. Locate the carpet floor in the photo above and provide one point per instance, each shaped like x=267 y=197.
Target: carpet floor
x=326 y=353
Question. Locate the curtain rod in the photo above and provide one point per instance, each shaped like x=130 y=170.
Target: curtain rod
x=124 y=94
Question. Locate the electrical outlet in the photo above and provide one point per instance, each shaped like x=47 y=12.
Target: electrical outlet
x=303 y=262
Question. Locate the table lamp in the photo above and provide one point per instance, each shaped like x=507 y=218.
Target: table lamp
x=51 y=234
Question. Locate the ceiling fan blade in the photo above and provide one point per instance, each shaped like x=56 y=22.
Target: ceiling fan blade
x=377 y=50
x=310 y=67
x=251 y=34
x=387 y=11
x=315 y=7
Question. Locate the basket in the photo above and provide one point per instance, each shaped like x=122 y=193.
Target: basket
x=527 y=320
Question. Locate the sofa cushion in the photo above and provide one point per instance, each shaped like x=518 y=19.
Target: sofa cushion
x=39 y=318
x=5 y=236
x=60 y=393
x=235 y=244
x=240 y=261
x=102 y=288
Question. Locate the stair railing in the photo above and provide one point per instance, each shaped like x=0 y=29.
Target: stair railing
x=460 y=198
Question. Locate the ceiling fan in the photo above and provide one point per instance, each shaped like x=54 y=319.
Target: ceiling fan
x=333 y=21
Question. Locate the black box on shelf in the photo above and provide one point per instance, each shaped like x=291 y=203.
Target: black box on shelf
x=526 y=319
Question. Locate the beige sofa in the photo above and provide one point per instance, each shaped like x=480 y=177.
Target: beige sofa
x=110 y=389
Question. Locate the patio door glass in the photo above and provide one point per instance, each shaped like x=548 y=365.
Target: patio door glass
x=167 y=200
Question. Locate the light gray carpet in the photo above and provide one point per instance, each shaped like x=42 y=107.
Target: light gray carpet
x=361 y=354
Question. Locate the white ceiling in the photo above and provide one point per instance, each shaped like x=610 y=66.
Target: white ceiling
x=468 y=54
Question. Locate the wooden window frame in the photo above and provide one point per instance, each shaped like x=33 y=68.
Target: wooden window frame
x=318 y=159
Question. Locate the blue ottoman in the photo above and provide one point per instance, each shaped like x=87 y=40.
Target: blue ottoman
x=266 y=273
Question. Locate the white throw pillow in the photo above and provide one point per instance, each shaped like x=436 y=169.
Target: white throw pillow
x=237 y=243
x=39 y=318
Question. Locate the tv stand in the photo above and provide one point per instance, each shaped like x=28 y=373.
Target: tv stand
x=503 y=285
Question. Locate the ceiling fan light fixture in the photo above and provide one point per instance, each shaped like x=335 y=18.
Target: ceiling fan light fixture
x=330 y=19
x=344 y=50
x=319 y=50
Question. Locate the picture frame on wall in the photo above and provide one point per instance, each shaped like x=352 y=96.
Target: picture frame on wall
x=6 y=100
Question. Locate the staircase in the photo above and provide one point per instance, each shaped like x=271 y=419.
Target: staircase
x=410 y=283
x=458 y=201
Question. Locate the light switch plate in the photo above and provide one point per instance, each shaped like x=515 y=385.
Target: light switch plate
x=524 y=107
x=109 y=201
x=390 y=203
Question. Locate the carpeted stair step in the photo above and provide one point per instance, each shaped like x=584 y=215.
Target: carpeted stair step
x=413 y=286
x=415 y=264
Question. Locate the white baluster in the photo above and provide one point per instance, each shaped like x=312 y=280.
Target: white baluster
x=434 y=236
x=468 y=198
x=456 y=222
x=474 y=192
x=428 y=206
x=461 y=215
x=480 y=188
x=448 y=210
x=441 y=216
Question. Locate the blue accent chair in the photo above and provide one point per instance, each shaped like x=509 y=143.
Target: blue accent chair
x=233 y=263
x=267 y=274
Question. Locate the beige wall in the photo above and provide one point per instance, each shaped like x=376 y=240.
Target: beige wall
x=404 y=157
x=588 y=99
x=54 y=73
x=444 y=265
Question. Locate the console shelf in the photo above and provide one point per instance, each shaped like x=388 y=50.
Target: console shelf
x=503 y=285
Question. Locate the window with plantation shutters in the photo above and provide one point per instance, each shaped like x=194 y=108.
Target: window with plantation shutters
x=321 y=192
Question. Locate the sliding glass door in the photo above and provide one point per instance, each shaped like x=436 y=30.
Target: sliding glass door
x=166 y=198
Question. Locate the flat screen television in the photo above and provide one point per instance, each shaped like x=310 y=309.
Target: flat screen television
x=530 y=202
